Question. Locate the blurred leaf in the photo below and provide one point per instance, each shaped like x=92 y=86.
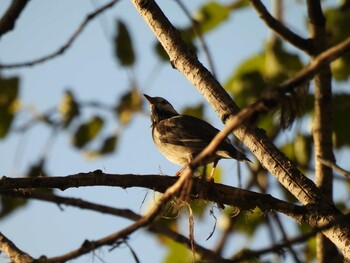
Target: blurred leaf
x=87 y=131
x=195 y=111
x=9 y=205
x=280 y=64
x=267 y=123
x=302 y=149
x=160 y=52
x=37 y=169
x=128 y=104
x=199 y=207
x=109 y=144
x=211 y=15
x=123 y=45
x=68 y=108
x=247 y=83
x=310 y=249
x=340 y=68
x=9 y=88
x=338 y=29
x=341 y=116
x=248 y=222
x=299 y=150
x=177 y=253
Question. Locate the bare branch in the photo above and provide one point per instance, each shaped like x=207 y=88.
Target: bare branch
x=8 y=20
x=15 y=254
x=281 y=30
x=70 y=41
x=197 y=30
x=334 y=166
x=243 y=199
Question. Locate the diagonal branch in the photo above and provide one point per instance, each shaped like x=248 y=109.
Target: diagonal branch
x=281 y=30
x=334 y=166
x=8 y=20
x=69 y=42
x=13 y=252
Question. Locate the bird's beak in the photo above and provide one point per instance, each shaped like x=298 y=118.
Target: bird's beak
x=149 y=98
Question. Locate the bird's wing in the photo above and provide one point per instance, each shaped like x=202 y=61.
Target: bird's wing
x=188 y=131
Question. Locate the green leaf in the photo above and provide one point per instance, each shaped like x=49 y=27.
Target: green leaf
x=160 y=52
x=86 y=132
x=109 y=144
x=123 y=45
x=341 y=116
x=178 y=253
x=68 y=108
x=299 y=150
x=340 y=68
x=37 y=169
x=9 y=88
x=248 y=222
x=338 y=29
x=128 y=104
x=211 y=15
x=9 y=205
x=247 y=83
x=195 y=111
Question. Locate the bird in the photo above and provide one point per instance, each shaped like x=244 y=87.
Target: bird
x=180 y=138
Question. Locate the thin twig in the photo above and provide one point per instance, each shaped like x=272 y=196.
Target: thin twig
x=63 y=48
x=197 y=30
x=281 y=30
x=334 y=167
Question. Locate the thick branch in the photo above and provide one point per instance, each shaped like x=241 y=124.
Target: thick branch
x=201 y=189
x=69 y=42
x=322 y=123
x=8 y=20
x=281 y=30
x=13 y=252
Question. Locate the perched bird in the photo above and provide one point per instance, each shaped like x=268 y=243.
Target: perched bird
x=180 y=138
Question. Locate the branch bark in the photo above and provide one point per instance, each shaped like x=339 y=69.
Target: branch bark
x=201 y=189
x=279 y=29
x=8 y=20
x=15 y=254
x=322 y=124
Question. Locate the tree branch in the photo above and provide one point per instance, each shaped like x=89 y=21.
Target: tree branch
x=69 y=42
x=8 y=20
x=281 y=30
x=201 y=189
x=322 y=129
x=334 y=167
x=15 y=254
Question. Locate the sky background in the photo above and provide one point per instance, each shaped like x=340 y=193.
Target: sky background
x=90 y=69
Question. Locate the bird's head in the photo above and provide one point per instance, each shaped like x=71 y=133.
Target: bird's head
x=160 y=109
